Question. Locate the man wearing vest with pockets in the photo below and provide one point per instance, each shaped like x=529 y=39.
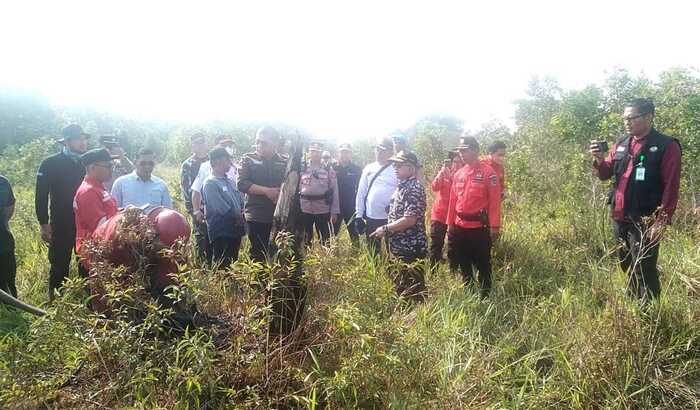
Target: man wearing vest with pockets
x=646 y=166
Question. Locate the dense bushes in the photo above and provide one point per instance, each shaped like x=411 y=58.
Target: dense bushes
x=557 y=331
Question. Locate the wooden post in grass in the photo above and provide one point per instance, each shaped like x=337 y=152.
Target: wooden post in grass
x=288 y=293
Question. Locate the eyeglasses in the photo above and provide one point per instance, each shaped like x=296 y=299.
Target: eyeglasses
x=632 y=117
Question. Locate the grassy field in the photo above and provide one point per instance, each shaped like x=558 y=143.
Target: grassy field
x=557 y=331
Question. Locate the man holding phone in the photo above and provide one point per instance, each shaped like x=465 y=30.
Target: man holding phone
x=646 y=166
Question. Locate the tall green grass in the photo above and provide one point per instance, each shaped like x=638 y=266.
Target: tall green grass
x=557 y=331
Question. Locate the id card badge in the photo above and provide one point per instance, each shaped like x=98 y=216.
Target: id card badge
x=639 y=174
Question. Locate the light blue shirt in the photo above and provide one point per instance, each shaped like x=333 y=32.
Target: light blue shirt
x=132 y=190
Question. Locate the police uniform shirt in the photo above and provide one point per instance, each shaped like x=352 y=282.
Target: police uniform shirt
x=315 y=182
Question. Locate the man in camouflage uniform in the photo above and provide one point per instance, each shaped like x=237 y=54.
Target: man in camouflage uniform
x=405 y=228
x=122 y=165
x=188 y=172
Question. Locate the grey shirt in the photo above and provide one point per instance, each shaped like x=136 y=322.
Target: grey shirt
x=223 y=206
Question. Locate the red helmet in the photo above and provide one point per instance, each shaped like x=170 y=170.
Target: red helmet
x=171 y=225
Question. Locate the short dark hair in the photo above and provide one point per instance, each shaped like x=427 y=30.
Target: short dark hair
x=145 y=151
x=218 y=154
x=197 y=136
x=496 y=145
x=643 y=105
x=270 y=132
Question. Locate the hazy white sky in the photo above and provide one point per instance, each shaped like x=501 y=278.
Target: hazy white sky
x=339 y=69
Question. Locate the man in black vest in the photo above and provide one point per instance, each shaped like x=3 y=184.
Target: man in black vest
x=646 y=166
x=58 y=178
x=260 y=177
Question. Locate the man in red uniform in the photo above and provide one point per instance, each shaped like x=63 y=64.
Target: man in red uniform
x=646 y=166
x=442 y=186
x=497 y=160
x=473 y=216
x=92 y=204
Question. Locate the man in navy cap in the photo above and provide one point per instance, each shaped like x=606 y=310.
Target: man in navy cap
x=223 y=209
x=58 y=179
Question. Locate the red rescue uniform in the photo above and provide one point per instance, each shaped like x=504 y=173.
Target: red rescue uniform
x=441 y=186
x=92 y=205
x=475 y=206
x=475 y=188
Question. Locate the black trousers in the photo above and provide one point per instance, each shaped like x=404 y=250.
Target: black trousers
x=60 y=254
x=8 y=272
x=438 y=230
x=259 y=236
x=201 y=241
x=408 y=274
x=638 y=257
x=467 y=247
x=374 y=244
x=321 y=223
x=225 y=250
x=346 y=219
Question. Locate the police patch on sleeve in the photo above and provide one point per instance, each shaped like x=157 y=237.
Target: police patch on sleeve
x=494 y=180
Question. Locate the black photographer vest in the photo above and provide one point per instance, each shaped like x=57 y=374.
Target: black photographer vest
x=642 y=198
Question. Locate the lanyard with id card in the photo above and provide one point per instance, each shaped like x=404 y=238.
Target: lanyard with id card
x=640 y=171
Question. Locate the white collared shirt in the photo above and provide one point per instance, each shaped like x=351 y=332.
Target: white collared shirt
x=205 y=171
x=379 y=195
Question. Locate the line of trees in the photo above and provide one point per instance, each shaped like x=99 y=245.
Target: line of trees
x=549 y=121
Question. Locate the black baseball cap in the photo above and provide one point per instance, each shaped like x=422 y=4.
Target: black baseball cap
x=468 y=143
x=218 y=153
x=71 y=132
x=110 y=141
x=223 y=139
x=96 y=155
x=405 y=157
x=385 y=144
x=399 y=136
x=316 y=146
